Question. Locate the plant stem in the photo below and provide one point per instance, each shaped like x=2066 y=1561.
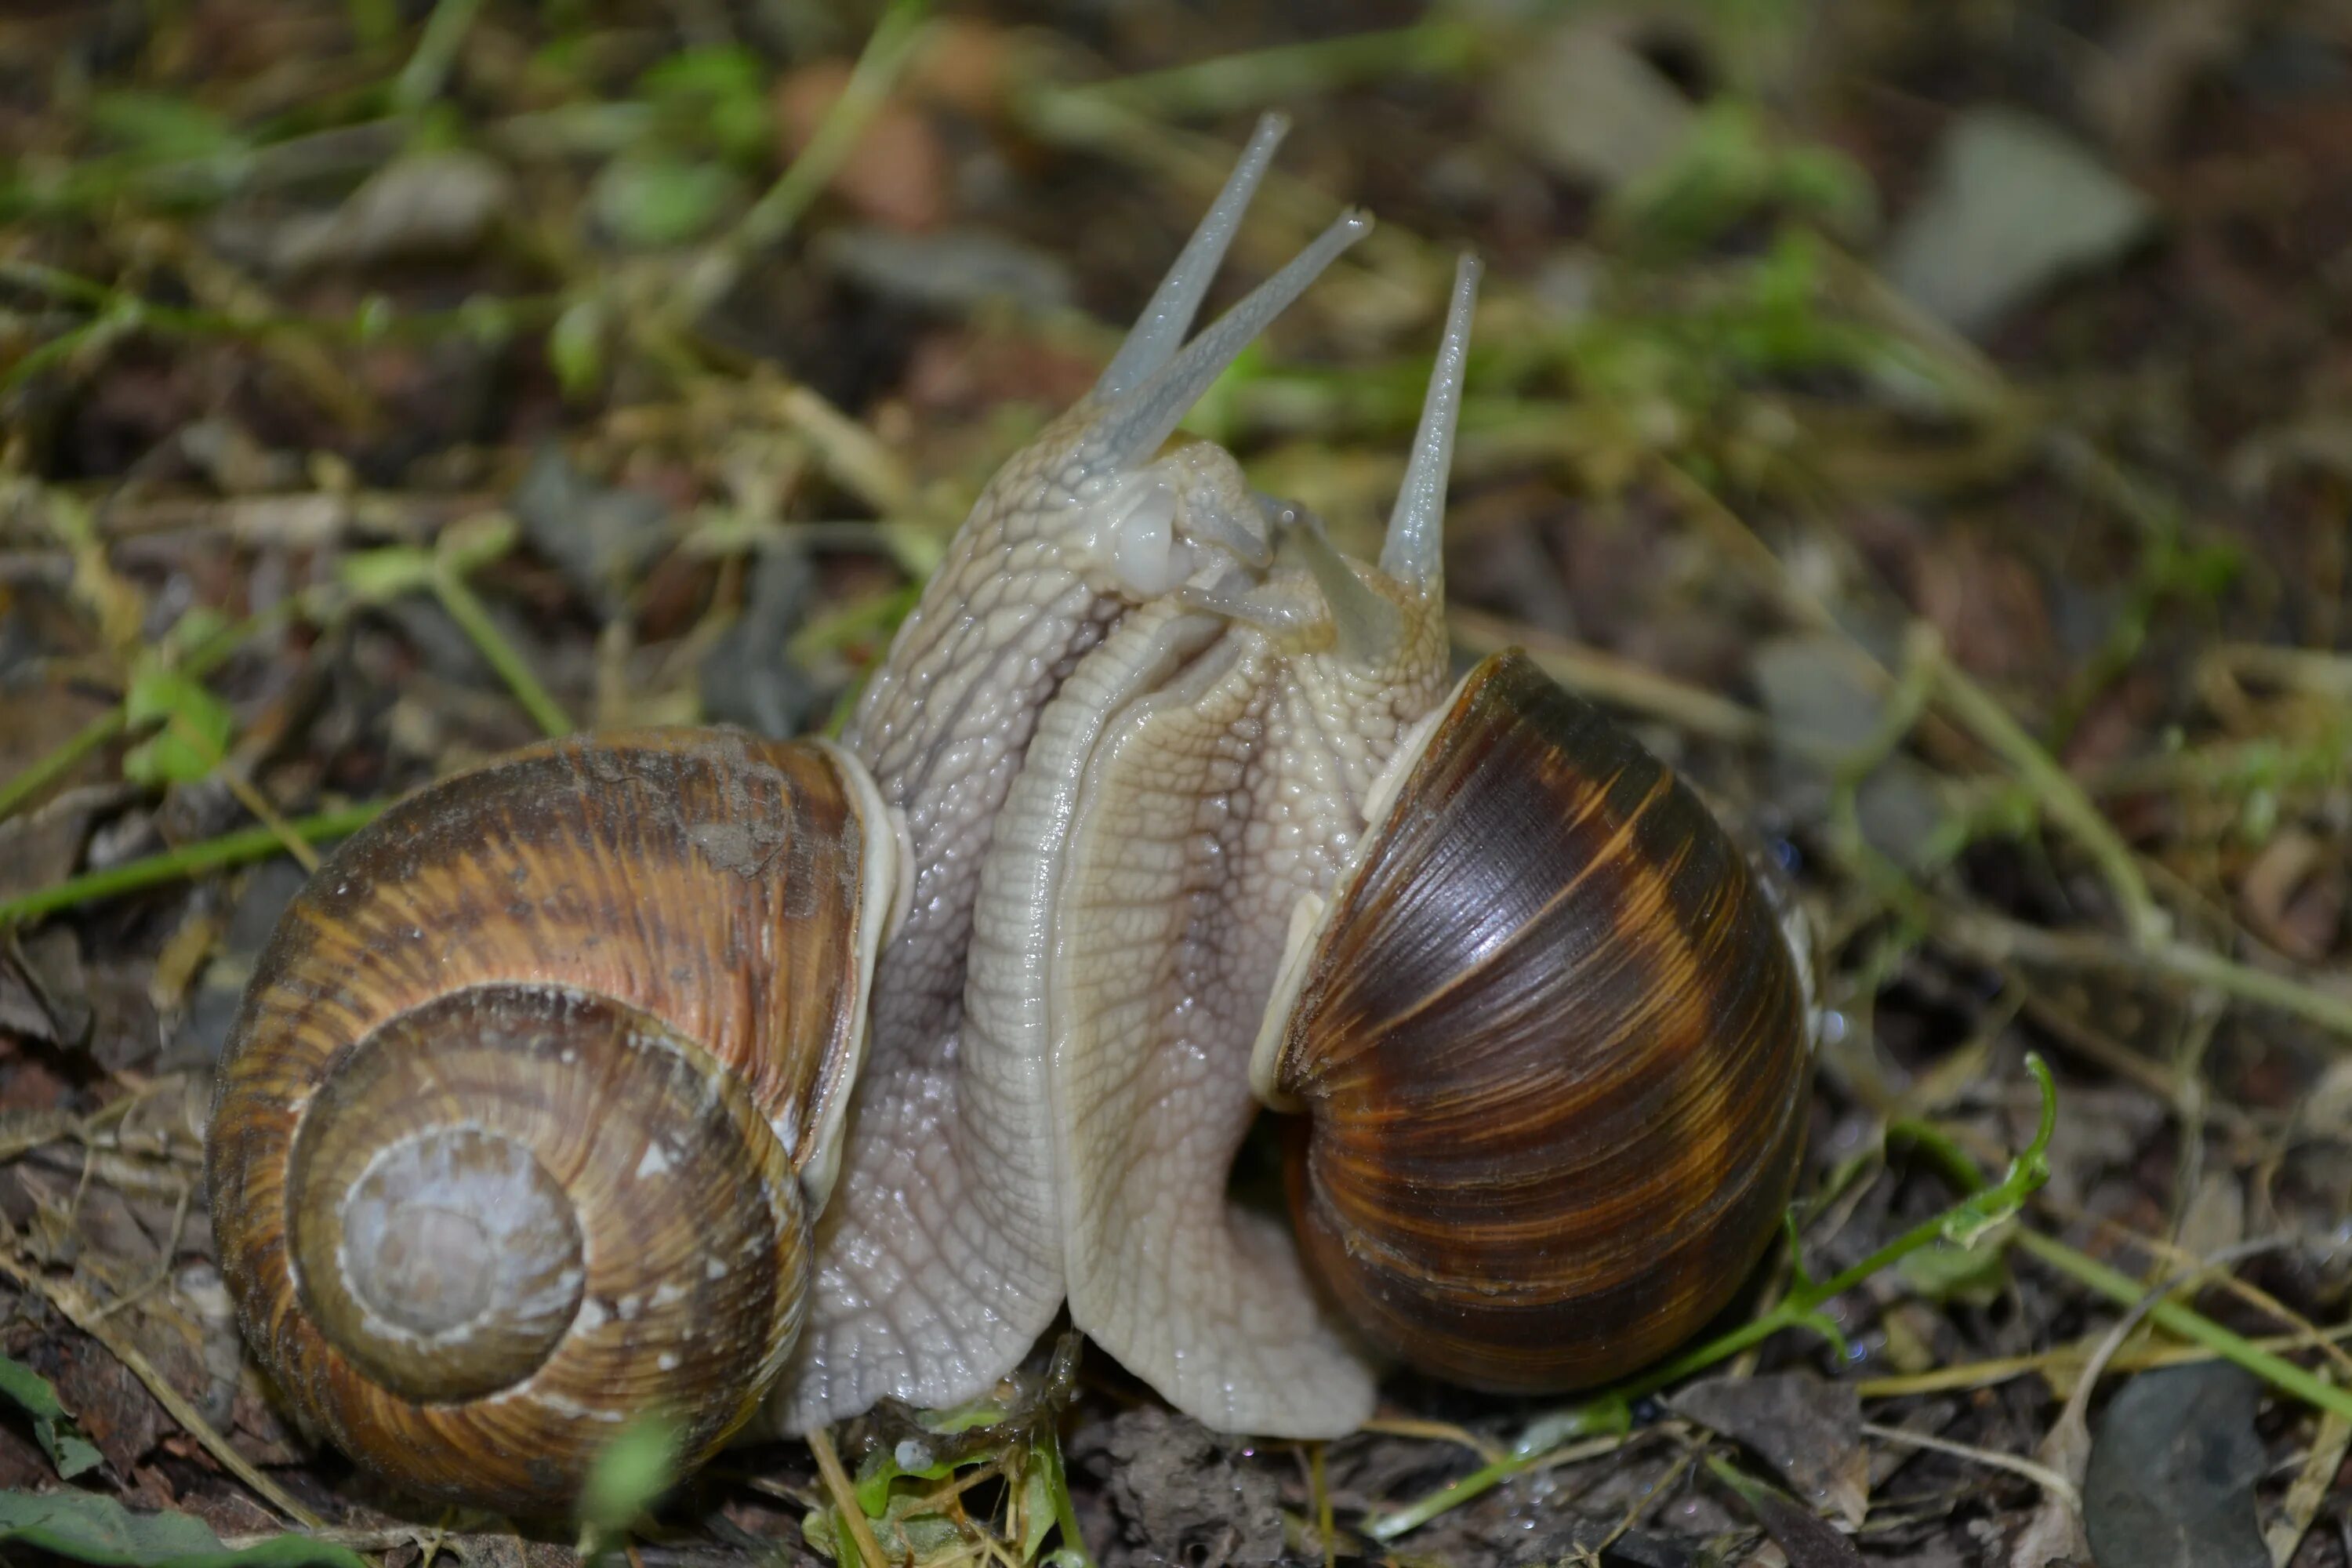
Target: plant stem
x=437 y=51
x=473 y=617
x=886 y=54
x=2058 y=794
x=1281 y=74
x=48 y=770
x=201 y=662
x=189 y=860
x=1982 y=1206
x=2124 y=1290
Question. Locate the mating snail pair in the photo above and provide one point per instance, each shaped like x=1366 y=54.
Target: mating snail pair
x=741 y=1079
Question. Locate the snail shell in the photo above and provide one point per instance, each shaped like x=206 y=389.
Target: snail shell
x=1548 y=1036
x=534 y=1095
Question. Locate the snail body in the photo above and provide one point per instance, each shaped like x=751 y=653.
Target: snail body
x=1157 y=812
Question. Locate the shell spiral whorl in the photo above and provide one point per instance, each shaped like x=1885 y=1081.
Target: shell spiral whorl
x=523 y=1123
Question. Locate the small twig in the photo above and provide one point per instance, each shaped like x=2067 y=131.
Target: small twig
x=2312 y=1484
x=1998 y=939
x=2042 y=1475
x=249 y=795
x=437 y=51
x=2059 y=795
x=1619 y=682
x=1319 y=1484
x=78 y=1310
x=1434 y=1431
x=2051 y=1363
x=473 y=617
x=1281 y=74
x=887 y=52
x=772 y=216
x=845 y=1506
x=47 y=770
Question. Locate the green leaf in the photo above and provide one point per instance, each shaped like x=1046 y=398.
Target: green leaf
x=198 y=625
x=372 y=321
x=161 y=126
x=83 y=1527
x=715 y=97
x=68 y=1449
x=195 y=732
x=655 y=200
x=1942 y=1273
x=575 y=345
x=1049 y=1502
x=881 y=1469
x=634 y=1468
x=377 y=576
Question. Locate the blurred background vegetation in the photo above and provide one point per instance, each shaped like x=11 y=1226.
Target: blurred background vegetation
x=1929 y=424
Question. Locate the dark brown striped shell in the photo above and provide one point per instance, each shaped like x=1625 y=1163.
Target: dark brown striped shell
x=510 y=1144
x=1551 y=1043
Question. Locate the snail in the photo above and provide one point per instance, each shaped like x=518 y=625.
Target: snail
x=1157 y=809
x=1545 y=1030
x=492 y=1067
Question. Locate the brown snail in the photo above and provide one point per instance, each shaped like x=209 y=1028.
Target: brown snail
x=491 y=1070
x=1172 y=788
x=1548 y=1033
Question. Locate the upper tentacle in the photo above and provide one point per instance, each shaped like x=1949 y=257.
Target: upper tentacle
x=1160 y=330
x=1134 y=423
x=1415 y=551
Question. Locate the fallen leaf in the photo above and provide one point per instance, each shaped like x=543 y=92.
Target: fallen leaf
x=53 y=1428
x=1807 y=1428
x=1804 y=1539
x=2172 y=1473
x=2014 y=205
x=1584 y=103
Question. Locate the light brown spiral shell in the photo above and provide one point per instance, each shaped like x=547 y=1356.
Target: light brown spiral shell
x=516 y=1134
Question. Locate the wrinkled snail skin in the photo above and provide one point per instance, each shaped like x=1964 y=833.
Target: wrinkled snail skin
x=1554 y=1097
x=533 y=1095
x=1201 y=810
x=943 y=1258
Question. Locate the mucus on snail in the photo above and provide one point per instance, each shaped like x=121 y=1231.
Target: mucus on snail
x=1159 y=810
